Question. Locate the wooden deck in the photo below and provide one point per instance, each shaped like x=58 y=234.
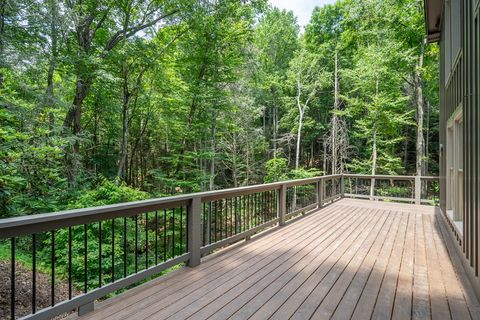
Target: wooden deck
x=354 y=259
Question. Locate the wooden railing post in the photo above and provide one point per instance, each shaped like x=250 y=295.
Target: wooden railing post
x=320 y=187
x=342 y=187
x=418 y=189
x=282 y=204
x=194 y=236
x=86 y=308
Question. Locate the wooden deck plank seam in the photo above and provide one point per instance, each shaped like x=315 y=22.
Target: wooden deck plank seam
x=340 y=242
x=292 y=251
x=341 y=311
x=324 y=256
x=316 y=250
x=318 y=314
x=321 y=273
x=306 y=234
x=382 y=266
x=187 y=280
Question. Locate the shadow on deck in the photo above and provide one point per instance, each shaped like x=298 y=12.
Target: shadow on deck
x=353 y=259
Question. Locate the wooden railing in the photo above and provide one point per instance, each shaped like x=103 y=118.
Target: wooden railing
x=94 y=252
x=411 y=189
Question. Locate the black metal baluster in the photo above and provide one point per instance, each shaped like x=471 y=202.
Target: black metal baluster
x=181 y=230
x=255 y=209
x=125 y=247
x=221 y=220
x=12 y=279
x=85 y=259
x=216 y=220
x=204 y=219
x=173 y=233
x=269 y=205
x=99 y=254
x=260 y=209
x=187 y=212
x=53 y=269
x=146 y=240
x=136 y=243
x=156 y=237
x=231 y=216
x=238 y=224
x=235 y=223
x=69 y=262
x=226 y=218
x=267 y=195
x=113 y=250
x=165 y=235
x=249 y=209
x=263 y=207
x=210 y=222
x=34 y=273
x=245 y=211
x=272 y=205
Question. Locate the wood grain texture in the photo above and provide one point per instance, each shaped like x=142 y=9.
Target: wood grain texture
x=354 y=259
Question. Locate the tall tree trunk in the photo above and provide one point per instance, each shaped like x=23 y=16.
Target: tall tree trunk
x=299 y=140
x=234 y=162
x=73 y=116
x=53 y=12
x=275 y=129
x=125 y=124
x=49 y=97
x=301 y=110
x=213 y=151
x=3 y=7
x=324 y=157
x=420 y=162
x=335 y=119
x=374 y=143
x=427 y=141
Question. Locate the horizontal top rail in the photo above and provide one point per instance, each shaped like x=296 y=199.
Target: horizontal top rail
x=388 y=177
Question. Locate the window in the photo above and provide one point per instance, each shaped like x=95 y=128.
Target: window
x=455 y=167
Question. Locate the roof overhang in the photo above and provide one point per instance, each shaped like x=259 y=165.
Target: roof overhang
x=433 y=19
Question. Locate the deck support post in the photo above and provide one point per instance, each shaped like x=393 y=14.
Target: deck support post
x=320 y=187
x=418 y=190
x=194 y=236
x=282 y=204
x=86 y=308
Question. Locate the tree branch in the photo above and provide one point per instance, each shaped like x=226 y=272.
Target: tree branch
x=115 y=39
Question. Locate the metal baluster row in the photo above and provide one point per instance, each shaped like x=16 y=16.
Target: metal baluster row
x=225 y=218
x=70 y=250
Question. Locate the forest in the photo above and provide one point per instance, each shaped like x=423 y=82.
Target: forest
x=111 y=101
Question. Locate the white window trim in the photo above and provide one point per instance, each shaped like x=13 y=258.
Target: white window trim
x=454 y=159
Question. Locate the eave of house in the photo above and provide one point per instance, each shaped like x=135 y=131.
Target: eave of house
x=433 y=19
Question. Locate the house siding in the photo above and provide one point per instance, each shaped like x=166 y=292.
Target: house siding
x=459 y=86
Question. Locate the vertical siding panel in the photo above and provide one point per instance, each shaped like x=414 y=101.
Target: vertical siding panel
x=476 y=132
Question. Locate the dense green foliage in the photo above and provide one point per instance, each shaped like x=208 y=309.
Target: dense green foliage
x=104 y=102
x=111 y=101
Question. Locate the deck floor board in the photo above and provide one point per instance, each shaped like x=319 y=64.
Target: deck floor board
x=354 y=259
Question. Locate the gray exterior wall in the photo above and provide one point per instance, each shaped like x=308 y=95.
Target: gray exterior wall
x=460 y=85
